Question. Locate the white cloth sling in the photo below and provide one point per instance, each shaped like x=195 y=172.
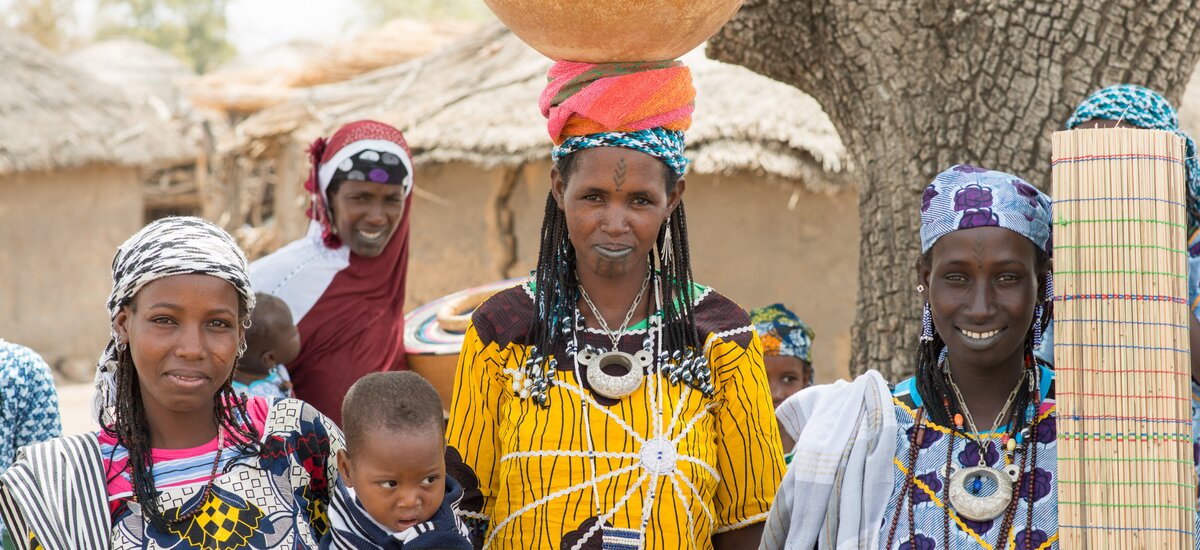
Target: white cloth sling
x=56 y=491
x=838 y=484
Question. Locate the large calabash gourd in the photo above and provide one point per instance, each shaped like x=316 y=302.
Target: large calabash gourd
x=602 y=31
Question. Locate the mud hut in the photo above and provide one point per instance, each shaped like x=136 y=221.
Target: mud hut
x=71 y=149
x=152 y=78
x=771 y=211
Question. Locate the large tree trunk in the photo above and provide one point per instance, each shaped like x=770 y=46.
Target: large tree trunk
x=917 y=86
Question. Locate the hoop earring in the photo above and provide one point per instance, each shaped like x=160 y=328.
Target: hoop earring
x=927 y=324
x=241 y=349
x=247 y=323
x=122 y=346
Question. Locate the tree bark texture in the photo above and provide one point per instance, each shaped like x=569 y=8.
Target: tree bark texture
x=917 y=86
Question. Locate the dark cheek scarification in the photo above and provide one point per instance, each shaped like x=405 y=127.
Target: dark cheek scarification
x=619 y=174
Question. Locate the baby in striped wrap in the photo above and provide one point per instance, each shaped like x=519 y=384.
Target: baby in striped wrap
x=393 y=490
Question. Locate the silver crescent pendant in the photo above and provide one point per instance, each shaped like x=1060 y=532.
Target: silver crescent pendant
x=615 y=387
x=981 y=508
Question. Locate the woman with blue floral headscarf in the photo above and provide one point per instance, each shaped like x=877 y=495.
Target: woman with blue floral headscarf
x=964 y=454
x=870 y=461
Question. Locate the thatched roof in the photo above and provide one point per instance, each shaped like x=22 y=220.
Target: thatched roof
x=53 y=117
x=258 y=81
x=476 y=101
x=141 y=70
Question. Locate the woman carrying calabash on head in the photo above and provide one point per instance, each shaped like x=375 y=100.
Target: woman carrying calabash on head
x=181 y=458
x=980 y=406
x=612 y=401
x=344 y=281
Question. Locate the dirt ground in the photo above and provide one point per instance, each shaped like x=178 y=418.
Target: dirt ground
x=75 y=402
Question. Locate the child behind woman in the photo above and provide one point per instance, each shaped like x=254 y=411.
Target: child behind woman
x=394 y=491
x=272 y=341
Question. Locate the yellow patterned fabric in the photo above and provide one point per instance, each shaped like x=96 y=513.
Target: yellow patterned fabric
x=670 y=462
x=220 y=524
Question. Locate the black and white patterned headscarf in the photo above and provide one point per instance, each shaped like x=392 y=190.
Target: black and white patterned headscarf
x=170 y=246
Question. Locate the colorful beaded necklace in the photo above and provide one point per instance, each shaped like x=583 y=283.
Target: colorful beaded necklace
x=204 y=493
x=1015 y=440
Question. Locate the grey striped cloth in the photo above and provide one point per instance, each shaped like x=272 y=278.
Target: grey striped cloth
x=838 y=484
x=56 y=492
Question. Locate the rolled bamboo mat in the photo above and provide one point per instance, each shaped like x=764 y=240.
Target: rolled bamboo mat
x=1125 y=472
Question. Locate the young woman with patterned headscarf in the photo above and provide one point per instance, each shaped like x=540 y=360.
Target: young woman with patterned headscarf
x=787 y=350
x=787 y=356
x=344 y=281
x=181 y=459
x=611 y=401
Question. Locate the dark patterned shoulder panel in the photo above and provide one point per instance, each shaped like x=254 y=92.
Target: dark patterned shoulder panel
x=907 y=399
x=716 y=314
x=505 y=317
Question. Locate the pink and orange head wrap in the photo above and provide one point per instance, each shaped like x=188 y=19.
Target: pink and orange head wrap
x=642 y=106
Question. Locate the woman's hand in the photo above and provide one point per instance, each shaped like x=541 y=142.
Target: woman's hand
x=746 y=538
x=788 y=442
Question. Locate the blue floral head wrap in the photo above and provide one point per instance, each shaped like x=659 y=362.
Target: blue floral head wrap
x=662 y=144
x=783 y=333
x=1146 y=109
x=964 y=196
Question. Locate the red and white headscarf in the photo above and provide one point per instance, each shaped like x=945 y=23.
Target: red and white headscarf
x=349 y=308
x=326 y=156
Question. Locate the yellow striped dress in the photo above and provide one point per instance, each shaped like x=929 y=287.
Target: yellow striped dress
x=665 y=467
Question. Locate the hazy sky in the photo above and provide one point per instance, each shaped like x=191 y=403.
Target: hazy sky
x=258 y=24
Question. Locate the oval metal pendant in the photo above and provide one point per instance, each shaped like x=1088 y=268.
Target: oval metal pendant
x=974 y=507
x=615 y=387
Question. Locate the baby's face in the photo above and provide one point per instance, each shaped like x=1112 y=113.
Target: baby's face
x=400 y=477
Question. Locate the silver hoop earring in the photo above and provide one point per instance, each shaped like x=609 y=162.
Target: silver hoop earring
x=920 y=289
x=241 y=349
x=247 y=323
x=122 y=346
